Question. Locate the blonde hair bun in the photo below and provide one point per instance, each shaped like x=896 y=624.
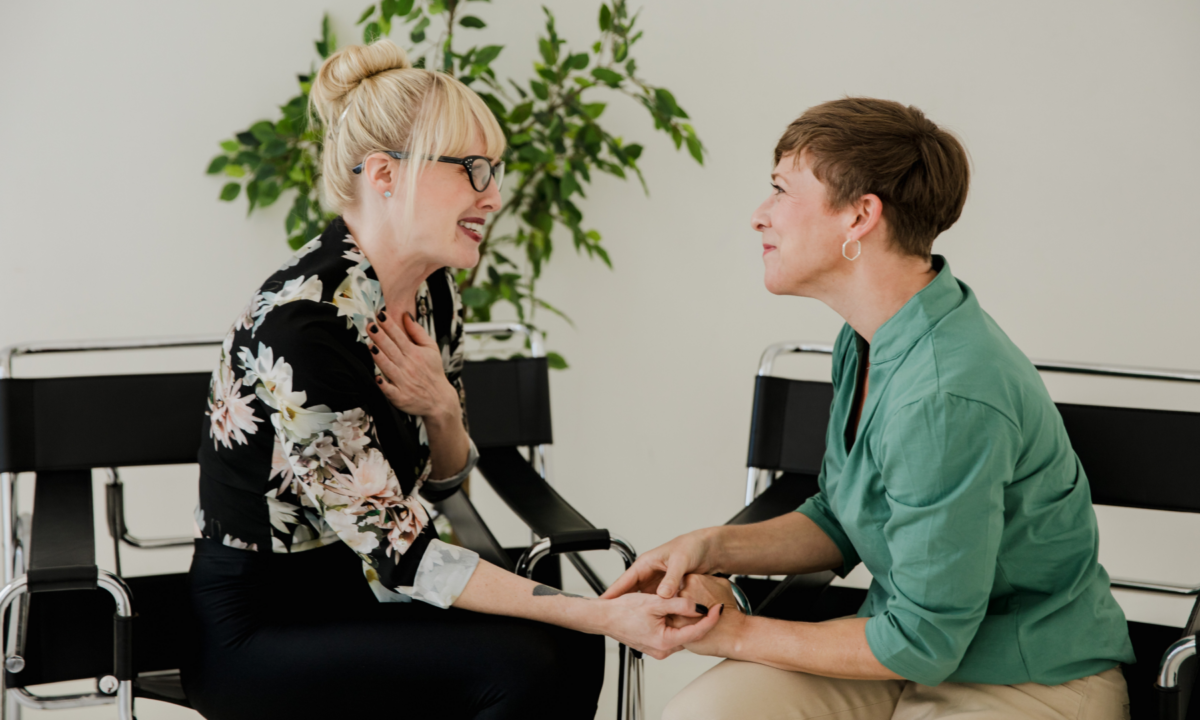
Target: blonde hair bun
x=346 y=69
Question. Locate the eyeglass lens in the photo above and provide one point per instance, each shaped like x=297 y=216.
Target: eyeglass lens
x=482 y=171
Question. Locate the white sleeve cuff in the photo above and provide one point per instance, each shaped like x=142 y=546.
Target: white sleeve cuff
x=442 y=574
x=454 y=481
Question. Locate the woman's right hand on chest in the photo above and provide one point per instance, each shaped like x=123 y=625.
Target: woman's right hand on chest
x=413 y=378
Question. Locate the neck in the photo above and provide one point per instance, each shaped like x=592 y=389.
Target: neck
x=869 y=293
x=399 y=266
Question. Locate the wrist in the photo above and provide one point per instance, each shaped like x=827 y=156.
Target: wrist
x=710 y=550
x=447 y=415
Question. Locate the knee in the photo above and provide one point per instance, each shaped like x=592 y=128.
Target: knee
x=705 y=698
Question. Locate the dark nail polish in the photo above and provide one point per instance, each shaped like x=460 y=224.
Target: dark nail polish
x=410 y=317
x=701 y=609
x=382 y=316
x=374 y=328
x=379 y=380
x=374 y=350
x=721 y=609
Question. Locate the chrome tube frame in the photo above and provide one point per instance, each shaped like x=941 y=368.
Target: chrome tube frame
x=631 y=680
x=124 y=695
x=118 y=529
x=1172 y=661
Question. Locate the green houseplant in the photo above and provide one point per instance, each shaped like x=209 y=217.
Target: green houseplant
x=551 y=120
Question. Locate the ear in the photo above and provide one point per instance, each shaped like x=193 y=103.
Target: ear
x=381 y=173
x=865 y=215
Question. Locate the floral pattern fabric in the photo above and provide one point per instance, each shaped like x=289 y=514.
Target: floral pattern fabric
x=301 y=449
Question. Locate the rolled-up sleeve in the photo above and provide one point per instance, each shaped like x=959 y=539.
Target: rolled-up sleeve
x=945 y=463
x=817 y=509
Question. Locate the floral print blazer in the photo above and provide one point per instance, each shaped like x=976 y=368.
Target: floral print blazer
x=301 y=449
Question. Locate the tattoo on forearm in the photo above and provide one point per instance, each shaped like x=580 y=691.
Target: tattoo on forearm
x=547 y=590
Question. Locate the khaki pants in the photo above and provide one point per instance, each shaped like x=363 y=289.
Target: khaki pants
x=739 y=690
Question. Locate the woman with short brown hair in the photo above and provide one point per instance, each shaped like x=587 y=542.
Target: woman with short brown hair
x=947 y=471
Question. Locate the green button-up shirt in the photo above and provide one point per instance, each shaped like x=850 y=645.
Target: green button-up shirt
x=962 y=495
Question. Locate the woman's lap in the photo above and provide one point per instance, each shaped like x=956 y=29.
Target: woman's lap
x=736 y=689
x=322 y=650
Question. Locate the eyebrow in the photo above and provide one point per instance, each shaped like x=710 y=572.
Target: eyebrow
x=775 y=177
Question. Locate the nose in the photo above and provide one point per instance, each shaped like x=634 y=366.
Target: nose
x=761 y=218
x=489 y=200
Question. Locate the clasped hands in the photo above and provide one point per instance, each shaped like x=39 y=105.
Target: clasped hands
x=679 y=569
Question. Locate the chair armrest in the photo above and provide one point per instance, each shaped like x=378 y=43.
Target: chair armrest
x=528 y=494
x=62 y=553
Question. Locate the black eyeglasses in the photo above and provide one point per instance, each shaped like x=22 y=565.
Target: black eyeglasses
x=479 y=169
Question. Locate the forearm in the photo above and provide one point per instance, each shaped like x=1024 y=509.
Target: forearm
x=835 y=648
x=790 y=544
x=449 y=446
x=499 y=592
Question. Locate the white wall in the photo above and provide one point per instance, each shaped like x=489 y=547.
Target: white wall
x=1078 y=236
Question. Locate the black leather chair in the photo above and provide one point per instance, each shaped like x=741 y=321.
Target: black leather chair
x=57 y=628
x=1134 y=458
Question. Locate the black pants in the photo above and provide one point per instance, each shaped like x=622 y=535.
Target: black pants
x=302 y=636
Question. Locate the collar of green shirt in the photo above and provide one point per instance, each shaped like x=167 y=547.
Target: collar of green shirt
x=918 y=316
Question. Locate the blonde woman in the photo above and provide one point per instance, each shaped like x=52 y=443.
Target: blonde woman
x=320 y=586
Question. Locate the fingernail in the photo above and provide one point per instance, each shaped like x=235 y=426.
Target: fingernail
x=721 y=609
x=379 y=380
x=382 y=316
x=410 y=317
x=701 y=609
x=374 y=350
x=373 y=328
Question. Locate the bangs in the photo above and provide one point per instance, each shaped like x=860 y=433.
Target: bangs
x=452 y=119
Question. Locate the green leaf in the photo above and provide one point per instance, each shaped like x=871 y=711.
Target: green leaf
x=620 y=50
x=555 y=361
x=470 y=21
x=609 y=77
x=568 y=186
x=230 y=145
x=476 y=297
x=548 y=50
x=247 y=138
x=217 y=165
x=252 y=195
x=235 y=171
x=230 y=191
x=268 y=192
x=366 y=14
x=596 y=47
x=539 y=89
x=633 y=152
x=594 y=110
x=418 y=33
x=274 y=148
x=485 y=55
x=605 y=18
x=520 y=114
x=387 y=9
x=695 y=148
x=263 y=131
x=371 y=32
x=437 y=7
x=404 y=7
x=577 y=62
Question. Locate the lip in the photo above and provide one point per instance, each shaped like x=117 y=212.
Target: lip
x=767 y=248
x=470 y=234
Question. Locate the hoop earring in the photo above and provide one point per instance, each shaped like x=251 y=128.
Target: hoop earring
x=857 y=249
x=387 y=193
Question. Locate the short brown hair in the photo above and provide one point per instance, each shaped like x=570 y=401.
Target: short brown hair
x=860 y=145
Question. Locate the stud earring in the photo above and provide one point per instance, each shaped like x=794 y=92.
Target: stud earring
x=387 y=193
x=857 y=249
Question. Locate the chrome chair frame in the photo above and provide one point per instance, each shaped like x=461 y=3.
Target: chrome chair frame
x=1183 y=649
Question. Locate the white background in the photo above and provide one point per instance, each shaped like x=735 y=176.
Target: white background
x=1079 y=236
